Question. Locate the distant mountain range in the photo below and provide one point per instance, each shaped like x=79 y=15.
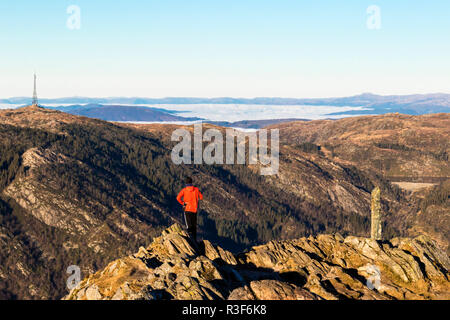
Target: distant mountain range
x=409 y=104
x=138 y=109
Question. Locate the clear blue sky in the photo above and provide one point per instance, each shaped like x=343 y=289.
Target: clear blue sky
x=214 y=48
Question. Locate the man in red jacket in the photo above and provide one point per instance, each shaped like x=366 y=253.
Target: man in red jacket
x=189 y=197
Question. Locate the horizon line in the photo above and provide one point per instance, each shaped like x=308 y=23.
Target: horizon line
x=229 y=97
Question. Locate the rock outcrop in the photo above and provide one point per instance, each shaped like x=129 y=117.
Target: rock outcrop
x=322 y=267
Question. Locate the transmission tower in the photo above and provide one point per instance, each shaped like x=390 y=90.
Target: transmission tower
x=35 y=99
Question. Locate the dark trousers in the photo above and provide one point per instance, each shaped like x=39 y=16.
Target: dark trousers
x=191 y=223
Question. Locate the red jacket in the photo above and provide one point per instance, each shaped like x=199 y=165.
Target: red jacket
x=190 y=196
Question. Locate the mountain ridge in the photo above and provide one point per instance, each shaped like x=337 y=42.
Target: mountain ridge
x=323 y=267
x=413 y=104
x=257 y=100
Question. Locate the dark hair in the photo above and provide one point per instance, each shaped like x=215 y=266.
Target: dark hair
x=188 y=180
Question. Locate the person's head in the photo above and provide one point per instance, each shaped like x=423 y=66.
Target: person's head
x=188 y=180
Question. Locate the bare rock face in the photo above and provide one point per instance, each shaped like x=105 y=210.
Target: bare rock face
x=322 y=267
x=271 y=290
x=359 y=268
x=276 y=290
x=40 y=200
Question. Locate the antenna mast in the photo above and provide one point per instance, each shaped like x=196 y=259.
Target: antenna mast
x=35 y=99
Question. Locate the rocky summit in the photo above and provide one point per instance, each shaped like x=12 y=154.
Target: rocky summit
x=314 y=268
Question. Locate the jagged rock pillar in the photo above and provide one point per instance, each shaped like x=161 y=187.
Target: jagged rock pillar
x=375 y=230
